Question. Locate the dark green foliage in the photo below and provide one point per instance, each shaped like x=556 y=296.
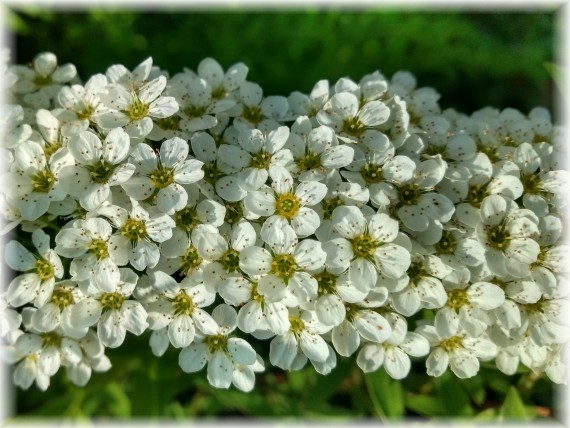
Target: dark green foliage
x=472 y=59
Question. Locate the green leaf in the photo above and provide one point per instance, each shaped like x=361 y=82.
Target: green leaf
x=425 y=405
x=453 y=395
x=486 y=415
x=557 y=74
x=476 y=389
x=118 y=401
x=513 y=407
x=386 y=393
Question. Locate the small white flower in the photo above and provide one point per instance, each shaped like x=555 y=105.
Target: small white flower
x=360 y=323
x=393 y=353
x=318 y=153
x=113 y=312
x=507 y=234
x=303 y=340
x=42 y=270
x=82 y=104
x=135 y=109
x=255 y=111
x=140 y=233
x=308 y=105
x=100 y=165
x=457 y=351
x=285 y=267
x=55 y=314
x=350 y=121
x=466 y=307
x=34 y=180
x=258 y=311
x=285 y=202
x=162 y=177
x=42 y=81
x=257 y=153
x=95 y=251
x=178 y=309
x=366 y=247
x=222 y=353
x=223 y=255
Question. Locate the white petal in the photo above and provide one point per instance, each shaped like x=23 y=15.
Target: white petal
x=282 y=351
x=396 y=363
x=345 y=339
x=314 y=346
x=255 y=261
x=437 y=362
x=193 y=358
x=372 y=326
x=241 y=351
x=181 y=331
x=348 y=221
x=220 y=370
x=370 y=358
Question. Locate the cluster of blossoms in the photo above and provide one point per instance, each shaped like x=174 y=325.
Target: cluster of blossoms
x=357 y=220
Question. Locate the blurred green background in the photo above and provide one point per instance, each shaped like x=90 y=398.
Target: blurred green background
x=472 y=59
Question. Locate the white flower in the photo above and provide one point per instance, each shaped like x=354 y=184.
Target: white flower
x=457 y=351
x=419 y=207
x=140 y=233
x=34 y=180
x=376 y=169
x=303 y=340
x=334 y=290
x=223 y=255
x=197 y=107
x=44 y=76
x=258 y=311
x=180 y=254
x=469 y=195
x=318 y=153
x=423 y=288
x=393 y=353
x=82 y=104
x=507 y=234
x=163 y=176
x=544 y=321
x=360 y=323
x=222 y=353
x=466 y=307
x=42 y=270
x=223 y=84
x=257 y=153
x=178 y=309
x=309 y=105
x=285 y=202
x=350 y=121
x=10 y=320
x=135 y=109
x=100 y=166
x=215 y=180
x=118 y=73
x=254 y=111
x=285 y=267
x=93 y=358
x=95 y=251
x=13 y=131
x=366 y=247
x=55 y=314
x=112 y=311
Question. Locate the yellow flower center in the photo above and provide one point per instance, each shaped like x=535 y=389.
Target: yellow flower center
x=287 y=205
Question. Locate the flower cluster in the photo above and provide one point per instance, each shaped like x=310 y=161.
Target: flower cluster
x=359 y=220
